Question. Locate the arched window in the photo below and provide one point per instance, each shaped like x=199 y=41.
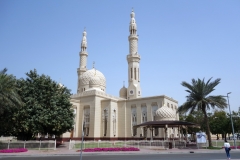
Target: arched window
x=105 y=122
x=154 y=109
x=134 y=120
x=138 y=75
x=114 y=122
x=86 y=120
x=135 y=74
x=131 y=73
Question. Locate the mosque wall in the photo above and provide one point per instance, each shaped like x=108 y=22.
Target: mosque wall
x=76 y=107
x=121 y=118
x=112 y=119
x=144 y=112
x=97 y=125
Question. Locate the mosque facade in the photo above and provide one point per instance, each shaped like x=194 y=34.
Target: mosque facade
x=101 y=116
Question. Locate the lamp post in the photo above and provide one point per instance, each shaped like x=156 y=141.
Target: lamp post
x=82 y=139
x=231 y=121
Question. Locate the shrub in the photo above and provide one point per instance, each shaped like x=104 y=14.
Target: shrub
x=14 y=150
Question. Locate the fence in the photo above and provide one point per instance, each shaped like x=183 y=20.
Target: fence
x=51 y=144
x=220 y=143
x=154 y=144
x=8 y=138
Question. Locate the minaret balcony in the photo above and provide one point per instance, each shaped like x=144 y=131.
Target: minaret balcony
x=134 y=56
x=133 y=36
x=83 y=53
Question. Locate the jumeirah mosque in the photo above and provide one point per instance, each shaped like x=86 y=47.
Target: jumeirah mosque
x=105 y=117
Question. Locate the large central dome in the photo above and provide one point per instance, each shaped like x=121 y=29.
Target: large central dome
x=87 y=76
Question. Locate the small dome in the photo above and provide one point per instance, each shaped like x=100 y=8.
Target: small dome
x=94 y=82
x=165 y=113
x=123 y=92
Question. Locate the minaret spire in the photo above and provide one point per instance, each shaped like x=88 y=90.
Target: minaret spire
x=133 y=25
x=83 y=58
x=133 y=58
x=84 y=41
x=83 y=53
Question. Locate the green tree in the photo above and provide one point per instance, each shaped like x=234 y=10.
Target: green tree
x=47 y=107
x=198 y=99
x=196 y=117
x=237 y=123
x=218 y=123
x=7 y=124
x=8 y=92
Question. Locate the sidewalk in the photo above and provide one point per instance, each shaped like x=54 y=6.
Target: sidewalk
x=63 y=150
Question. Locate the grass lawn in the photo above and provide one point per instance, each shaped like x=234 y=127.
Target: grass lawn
x=99 y=145
x=214 y=148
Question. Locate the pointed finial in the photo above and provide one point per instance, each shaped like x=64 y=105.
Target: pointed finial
x=132 y=14
x=94 y=68
x=123 y=83
x=84 y=32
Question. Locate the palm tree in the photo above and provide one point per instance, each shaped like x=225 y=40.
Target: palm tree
x=8 y=91
x=200 y=100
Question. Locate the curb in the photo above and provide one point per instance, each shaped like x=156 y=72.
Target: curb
x=74 y=153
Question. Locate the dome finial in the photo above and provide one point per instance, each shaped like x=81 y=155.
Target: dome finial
x=94 y=68
x=123 y=83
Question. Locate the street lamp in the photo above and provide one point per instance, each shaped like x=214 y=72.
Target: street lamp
x=82 y=139
x=231 y=121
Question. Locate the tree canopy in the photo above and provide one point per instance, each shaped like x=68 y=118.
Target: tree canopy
x=198 y=99
x=8 y=92
x=219 y=123
x=46 y=109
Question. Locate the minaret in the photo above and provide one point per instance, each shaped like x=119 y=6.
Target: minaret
x=83 y=59
x=133 y=58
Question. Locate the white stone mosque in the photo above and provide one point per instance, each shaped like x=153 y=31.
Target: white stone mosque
x=106 y=117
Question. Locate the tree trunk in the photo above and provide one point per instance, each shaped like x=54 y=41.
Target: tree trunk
x=208 y=129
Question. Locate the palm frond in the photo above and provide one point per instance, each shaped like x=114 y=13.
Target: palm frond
x=3 y=71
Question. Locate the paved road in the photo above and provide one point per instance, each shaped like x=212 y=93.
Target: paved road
x=190 y=156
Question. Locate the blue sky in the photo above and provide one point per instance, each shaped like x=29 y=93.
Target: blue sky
x=178 y=41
